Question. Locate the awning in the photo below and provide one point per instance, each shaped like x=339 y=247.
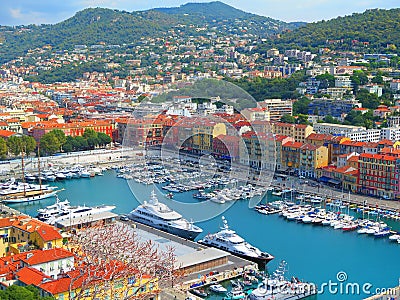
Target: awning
x=326 y=179
x=334 y=181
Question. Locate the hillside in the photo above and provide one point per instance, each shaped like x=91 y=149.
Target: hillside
x=377 y=28
x=100 y=25
x=212 y=10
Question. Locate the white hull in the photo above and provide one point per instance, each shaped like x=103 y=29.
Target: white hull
x=31 y=198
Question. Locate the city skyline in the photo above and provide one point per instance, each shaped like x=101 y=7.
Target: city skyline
x=23 y=12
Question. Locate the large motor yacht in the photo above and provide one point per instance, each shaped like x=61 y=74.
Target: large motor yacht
x=160 y=216
x=228 y=240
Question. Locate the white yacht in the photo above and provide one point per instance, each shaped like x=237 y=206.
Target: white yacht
x=228 y=240
x=61 y=211
x=53 y=210
x=276 y=286
x=160 y=216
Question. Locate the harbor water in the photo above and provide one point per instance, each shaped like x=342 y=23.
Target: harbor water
x=344 y=265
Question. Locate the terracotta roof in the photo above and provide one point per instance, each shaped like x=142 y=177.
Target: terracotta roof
x=377 y=156
x=319 y=137
x=6 y=133
x=386 y=142
x=228 y=138
x=280 y=138
x=61 y=285
x=41 y=256
x=25 y=223
x=308 y=147
x=353 y=143
x=293 y=144
x=30 y=276
x=353 y=158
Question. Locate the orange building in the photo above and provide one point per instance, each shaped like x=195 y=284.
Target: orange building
x=38 y=129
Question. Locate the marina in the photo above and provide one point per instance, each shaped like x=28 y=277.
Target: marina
x=303 y=246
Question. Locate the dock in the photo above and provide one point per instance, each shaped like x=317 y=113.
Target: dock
x=200 y=264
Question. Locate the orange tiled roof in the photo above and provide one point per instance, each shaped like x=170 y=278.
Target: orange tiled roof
x=308 y=147
x=377 y=156
x=293 y=144
x=41 y=256
x=353 y=158
x=319 y=137
x=30 y=276
x=6 y=133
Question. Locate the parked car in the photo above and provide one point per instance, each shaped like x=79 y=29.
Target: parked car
x=123 y=218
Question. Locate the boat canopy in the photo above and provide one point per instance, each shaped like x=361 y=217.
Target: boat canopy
x=326 y=179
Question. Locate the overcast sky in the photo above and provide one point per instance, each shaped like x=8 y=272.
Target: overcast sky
x=18 y=12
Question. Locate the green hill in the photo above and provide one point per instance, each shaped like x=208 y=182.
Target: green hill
x=376 y=27
x=99 y=25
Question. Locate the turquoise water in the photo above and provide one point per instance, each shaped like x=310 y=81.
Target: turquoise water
x=313 y=253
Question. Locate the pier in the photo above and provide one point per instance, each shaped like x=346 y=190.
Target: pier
x=206 y=265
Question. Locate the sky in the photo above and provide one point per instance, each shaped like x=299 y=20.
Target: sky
x=22 y=12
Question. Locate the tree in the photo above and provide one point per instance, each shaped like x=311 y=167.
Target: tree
x=21 y=144
x=378 y=79
x=302 y=119
x=301 y=106
x=3 y=148
x=288 y=119
x=358 y=78
x=113 y=253
x=68 y=146
x=327 y=80
x=330 y=119
x=91 y=137
x=81 y=143
x=49 y=144
x=367 y=99
x=16 y=292
x=60 y=136
x=103 y=138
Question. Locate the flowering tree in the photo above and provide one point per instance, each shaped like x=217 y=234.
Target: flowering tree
x=111 y=261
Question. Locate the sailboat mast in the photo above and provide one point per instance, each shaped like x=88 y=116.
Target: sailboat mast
x=23 y=171
x=40 y=177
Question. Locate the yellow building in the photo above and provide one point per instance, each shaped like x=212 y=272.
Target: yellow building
x=297 y=131
x=311 y=158
x=77 y=287
x=18 y=231
x=258 y=151
x=203 y=133
x=303 y=159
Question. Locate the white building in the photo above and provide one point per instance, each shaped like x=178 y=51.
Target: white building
x=206 y=108
x=336 y=129
x=342 y=159
x=390 y=133
x=51 y=262
x=343 y=81
x=277 y=108
x=367 y=135
x=225 y=109
x=373 y=89
x=395 y=85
